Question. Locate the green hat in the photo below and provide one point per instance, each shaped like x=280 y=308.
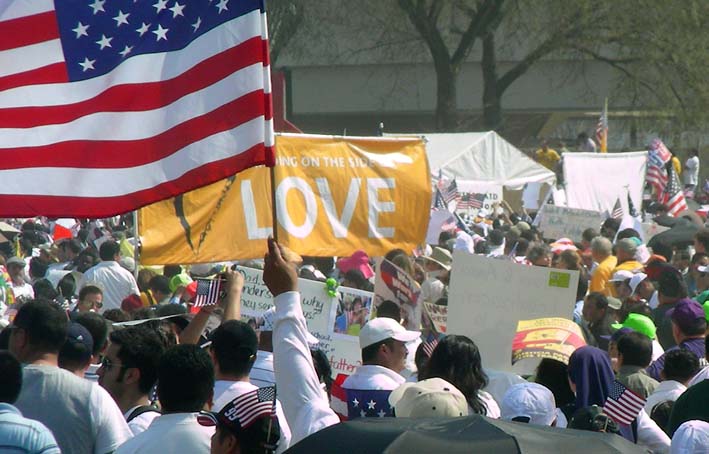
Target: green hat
x=639 y=323
x=179 y=280
x=706 y=309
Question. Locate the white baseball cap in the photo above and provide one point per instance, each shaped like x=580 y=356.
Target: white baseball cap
x=431 y=398
x=531 y=401
x=691 y=437
x=636 y=280
x=383 y=328
x=622 y=275
x=703 y=269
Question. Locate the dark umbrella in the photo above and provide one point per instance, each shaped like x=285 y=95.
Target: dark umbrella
x=457 y=435
x=680 y=235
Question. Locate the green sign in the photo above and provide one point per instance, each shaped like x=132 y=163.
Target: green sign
x=558 y=279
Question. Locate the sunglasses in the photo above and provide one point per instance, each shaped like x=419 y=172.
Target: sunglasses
x=107 y=364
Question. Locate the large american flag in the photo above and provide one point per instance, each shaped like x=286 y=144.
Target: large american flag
x=657 y=158
x=673 y=196
x=450 y=193
x=622 y=404
x=108 y=105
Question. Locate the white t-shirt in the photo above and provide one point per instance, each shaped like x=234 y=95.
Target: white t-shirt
x=176 y=433
x=691 y=173
x=225 y=391
x=141 y=422
x=115 y=281
x=262 y=372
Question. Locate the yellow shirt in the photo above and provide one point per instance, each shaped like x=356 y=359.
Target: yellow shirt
x=677 y=166
x=547 y=158
x=602 y=274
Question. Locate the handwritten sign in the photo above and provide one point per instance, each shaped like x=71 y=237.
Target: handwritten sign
x=438 y=316
x=342 y=350
x=555 y=338
x=562 y=222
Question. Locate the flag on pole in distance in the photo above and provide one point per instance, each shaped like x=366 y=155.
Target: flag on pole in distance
x=617 y=212
x=673 y=196
x=108 y=106
x=602 y=129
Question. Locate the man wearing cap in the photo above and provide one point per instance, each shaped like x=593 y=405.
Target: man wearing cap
x=383 y=344
x=247 y=424
x=670 y=289
x=642 y=324
x=689 y=327
x=75 y=355
x=600 y=312
x=530 y=403
x=620 y=284
x=20 y=287
x=702 y=284
x=642 y=288
x=233 y=351
x=634 y=355
x=602 y=253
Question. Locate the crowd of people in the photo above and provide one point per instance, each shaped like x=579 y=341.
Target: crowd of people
x=98 y=361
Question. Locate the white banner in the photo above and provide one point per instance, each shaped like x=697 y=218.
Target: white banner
x=594 y=181
x=489 y=296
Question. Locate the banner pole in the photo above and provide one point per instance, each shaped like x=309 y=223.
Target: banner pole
x=274 y=211
x=136 y=246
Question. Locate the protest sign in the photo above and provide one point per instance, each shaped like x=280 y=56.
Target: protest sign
x=394 y=284
x=333 y=196
x=438 y=316
x=493 y=192
x=352 y=312
x=554 y=338
x=318 y=308
x=487 y=298
x=562 y=222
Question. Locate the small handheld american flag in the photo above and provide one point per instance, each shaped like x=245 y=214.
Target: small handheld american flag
x=209 y=292
x=622 y=404
x=243 y=410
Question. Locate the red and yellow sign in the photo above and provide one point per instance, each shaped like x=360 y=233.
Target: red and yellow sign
x=333 y=196
x=555 y=338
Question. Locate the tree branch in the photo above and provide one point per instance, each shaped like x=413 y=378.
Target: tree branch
x=487 y=15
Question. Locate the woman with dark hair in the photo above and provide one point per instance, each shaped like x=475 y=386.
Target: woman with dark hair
x=554 y=375
x=456 y=359
x=591 y=378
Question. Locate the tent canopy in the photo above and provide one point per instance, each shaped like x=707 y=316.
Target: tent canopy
x=482 y=158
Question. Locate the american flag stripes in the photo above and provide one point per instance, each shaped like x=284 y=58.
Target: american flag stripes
x=107 y=105
x=673 y=196
x=450 y=193
x=617 y=212
x=244 y=409
x=429 y=346
x=622 y=404
x=657 y=158
x=470 y=201
x=209 y=291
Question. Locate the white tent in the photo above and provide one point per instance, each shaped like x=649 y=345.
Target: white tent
x=482 y=158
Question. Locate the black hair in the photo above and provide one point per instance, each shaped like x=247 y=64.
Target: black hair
x=660 y=413
x=599 y=299
x=255 y=438
x=38 y=269
x=5 y=338
x=589 y=234
x=421 y=357
x=582 y=287
x=43 y=289
x=389 y=309
x=680 y=365
x=97 y=326
x=171 y=270
x=671 y=284
x=88 y=252
x=663 y=248
x=702 y=237
x=481 y=247
x=627 y=233
x=554 y=375
x=116 y=315
x=522 y=246
x=356 y=278
x=456 y=359
x=10 y=377
x=108 y=250
x=45 y=324
x=234 y=345
x=185 y=379
x=369 y=353
x=636 y=349
x=696 y=327
x=89 y=290
x=444 y=236
x=496 y=237
x=71 y=244
x=66 y=286
x=140 y=347
x=160 y=283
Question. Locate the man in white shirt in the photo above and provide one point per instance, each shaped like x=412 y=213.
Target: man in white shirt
x=185 y=387
x=680 y=367
x=691 y=170
x=383 y=344
x=233 y=353
x=115 y=281
x=81 y=415
x=20 y=287
x=129 y=371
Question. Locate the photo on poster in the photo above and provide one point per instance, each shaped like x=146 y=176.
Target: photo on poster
x=351 y=312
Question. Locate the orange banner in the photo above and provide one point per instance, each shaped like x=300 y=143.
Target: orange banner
x=334 y=195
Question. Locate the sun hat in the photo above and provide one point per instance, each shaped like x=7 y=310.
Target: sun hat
x=431 y=398
x=357 y=261
x=383 y=328
x=442 y=257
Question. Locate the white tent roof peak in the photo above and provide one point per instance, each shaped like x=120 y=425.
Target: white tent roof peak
x=482 y=158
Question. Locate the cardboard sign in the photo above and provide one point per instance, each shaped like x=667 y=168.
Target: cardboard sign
x=555 y=338
x=334 y=196
x=393 y=284
x=318 y=309
x=438 y=316
x=562 y=222
x=488 y=297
